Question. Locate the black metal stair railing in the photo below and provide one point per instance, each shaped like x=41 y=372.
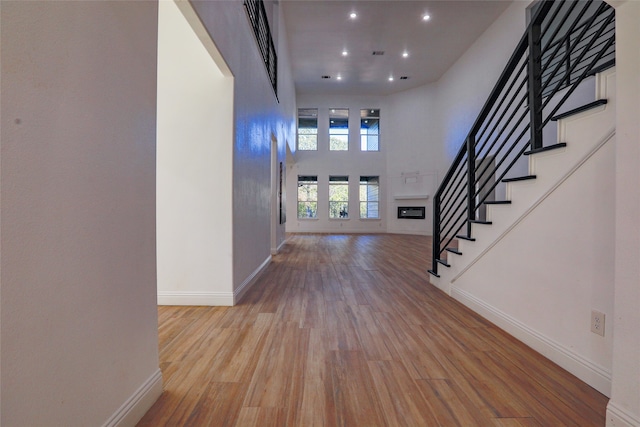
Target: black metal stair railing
x=260 y=24
x=565 y=43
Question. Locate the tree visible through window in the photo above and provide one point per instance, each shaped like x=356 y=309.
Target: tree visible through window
x=307 y=196
x=369 y=196
x=338 y=129
x=370 y=130
x=338 y=197
x=307 y=129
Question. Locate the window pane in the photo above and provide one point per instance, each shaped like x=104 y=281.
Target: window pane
x=369 y=130
x=339 y=129
x=369 y=197
x=338 y=197
x=307 y=129
x=307 y=196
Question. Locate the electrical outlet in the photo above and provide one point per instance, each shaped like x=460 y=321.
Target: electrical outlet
x=597 y=322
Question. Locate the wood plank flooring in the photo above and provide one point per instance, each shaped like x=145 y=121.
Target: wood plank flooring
x=345 y=330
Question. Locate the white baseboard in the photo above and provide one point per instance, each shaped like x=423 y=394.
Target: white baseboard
x=134 y=408
x=274 y=251
x=211 y=298
x=250 y=281
x=412 y=232
x=619 y=417
x=591 y=373
x=195 y=298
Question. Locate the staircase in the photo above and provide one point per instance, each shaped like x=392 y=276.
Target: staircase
x=566 y=44
x=583 y=131
x=522 y=230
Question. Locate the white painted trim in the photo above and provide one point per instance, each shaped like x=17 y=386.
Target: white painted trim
x=203 y=34
x=134 y=408
x=250 y=281
x=593 y=374
x=195 y=298
x=276 y=250
x=620 y=417
x=610 y=134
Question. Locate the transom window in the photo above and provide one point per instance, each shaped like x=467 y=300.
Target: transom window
x=307 y=129
x=338 y=197
x=369 y=197
x=307 y=196
x=370 y=130
x=339 y=129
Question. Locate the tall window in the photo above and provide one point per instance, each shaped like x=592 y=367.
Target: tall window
x=369 y=196
x=307 y=129
x=307 y=196
x=338 y=197
x=370 y=130
x=338 y=129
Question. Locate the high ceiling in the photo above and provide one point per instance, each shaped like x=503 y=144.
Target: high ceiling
x=319 y=31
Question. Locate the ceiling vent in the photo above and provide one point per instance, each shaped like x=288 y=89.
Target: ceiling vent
x=378 y=52
x=404 y=77
x=326 y=77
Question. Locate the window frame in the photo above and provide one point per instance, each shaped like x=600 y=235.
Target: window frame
x=343 y=204
x=310 y=180
x=364 y=181
x=338 y=114
x=365 y=115
x=298 y=133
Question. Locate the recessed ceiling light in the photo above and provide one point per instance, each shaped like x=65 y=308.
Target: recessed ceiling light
x=353 y=15
x=345 y=53
x=426 y=17
x=405 y=54
x=339 y=77
x=390 y=78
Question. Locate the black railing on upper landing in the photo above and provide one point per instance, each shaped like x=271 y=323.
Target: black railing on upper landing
x=565 y=42
x=260 y=24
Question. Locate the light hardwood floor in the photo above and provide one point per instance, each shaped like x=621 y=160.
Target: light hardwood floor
x=345 y=330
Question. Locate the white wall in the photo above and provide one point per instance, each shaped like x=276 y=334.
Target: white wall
x=258 y=116
x=542 y=279
x=415 y=145
x=464 y=88
x=624 y=406
x=353 y=163
x=194 y=168
x=422 y=130
x=79 y=316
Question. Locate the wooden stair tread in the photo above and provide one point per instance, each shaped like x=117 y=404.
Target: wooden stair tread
x=470 y=239
x=519 y=178
x=580 y=109
x=547 y=148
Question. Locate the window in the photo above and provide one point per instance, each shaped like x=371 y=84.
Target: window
x=307 y=196
x=308 y=129
x=338 y=197
x=338 y=129
x=369 y=196
x=369 y=130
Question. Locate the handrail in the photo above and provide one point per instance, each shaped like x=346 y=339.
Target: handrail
x=565 y=42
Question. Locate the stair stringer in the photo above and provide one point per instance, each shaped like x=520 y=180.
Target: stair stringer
x=582 y=132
